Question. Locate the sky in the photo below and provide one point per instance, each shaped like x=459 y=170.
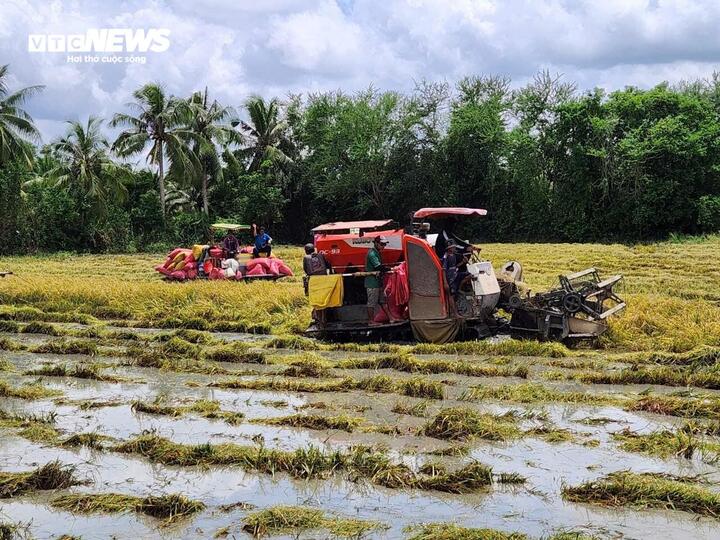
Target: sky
x=275 y=47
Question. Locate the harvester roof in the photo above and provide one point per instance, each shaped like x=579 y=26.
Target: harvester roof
x=229 y=227
x=347 y=226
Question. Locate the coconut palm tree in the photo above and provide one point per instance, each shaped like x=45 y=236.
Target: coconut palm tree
x=83 y=166
x=156 y=123
x=266 y=132
x=212 y=126
x=17 y=129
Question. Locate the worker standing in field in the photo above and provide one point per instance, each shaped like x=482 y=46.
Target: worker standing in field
x=373 y=283
x=314 y=263
x=263 y=243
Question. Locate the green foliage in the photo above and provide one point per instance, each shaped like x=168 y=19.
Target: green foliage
x=548 y=163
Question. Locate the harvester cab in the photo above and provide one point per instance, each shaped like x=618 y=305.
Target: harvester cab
x=435 y=303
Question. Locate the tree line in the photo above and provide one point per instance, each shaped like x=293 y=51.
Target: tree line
x=548 y=162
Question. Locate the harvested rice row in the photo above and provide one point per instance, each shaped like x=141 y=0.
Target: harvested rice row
x=414 y=387
x=646 y=491
x=510 y=347
x=296 y=519
x=169 y=508
x=684 y=442
x=53 y=475
x=358 y=462
x=684 y=407
x=79 y=371
x=203 y=407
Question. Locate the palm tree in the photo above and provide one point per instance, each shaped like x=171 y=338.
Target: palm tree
x=16 y=126
x=157 y=122
x=212 y=127
x=84 y=166
x=266 y=131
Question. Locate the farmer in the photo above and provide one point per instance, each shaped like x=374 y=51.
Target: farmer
x=263 y=243
x=455 y=266
x=314 y=263
x=373 y=283
x=231 y=245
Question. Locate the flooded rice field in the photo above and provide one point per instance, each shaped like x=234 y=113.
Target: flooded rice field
x=150 y=433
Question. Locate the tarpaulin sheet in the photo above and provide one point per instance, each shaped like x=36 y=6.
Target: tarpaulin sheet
x=436 y=331
x=325 y=291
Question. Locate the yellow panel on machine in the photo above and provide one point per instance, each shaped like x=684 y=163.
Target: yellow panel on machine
x=325 y=291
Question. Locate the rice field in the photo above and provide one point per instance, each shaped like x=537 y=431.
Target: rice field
x=136 y=408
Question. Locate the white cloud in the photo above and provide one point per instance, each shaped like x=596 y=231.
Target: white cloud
x=238 y=47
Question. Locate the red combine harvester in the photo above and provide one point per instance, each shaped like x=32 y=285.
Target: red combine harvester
x=414 y=279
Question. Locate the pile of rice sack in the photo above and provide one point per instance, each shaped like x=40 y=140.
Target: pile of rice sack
x=209 y=262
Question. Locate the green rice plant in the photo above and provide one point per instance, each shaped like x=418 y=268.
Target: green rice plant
x=377 y=383
x=246 y=327
x=682 y=442
x=413 y=409
x=533 y=393
x=645 y=491
x=703 y=407
x=90 y=440
x=39 y=327
x=358 y=463
x=472 y=477
x=10 y=327
x=6 y=365
x=39 y=432
x=451 y=531
x=410 y=364
x=198 y=337
x=461 y=423
x=655 y=375
x=508 y=347
x=234 y=352
x=421 y=388
x=297 y=519
x=80 y=371
x=202 y=407
x=52 y=475
x=455 y=450
x=550 y=434
x=511 y=478
x=164 y=358
x=66 y=346
x=169 y=508
x=14 y=531
x=312 y=366
x=298 y=343
x=313 y=421
x=572 y=535
x=27 y=391
x=7 y=344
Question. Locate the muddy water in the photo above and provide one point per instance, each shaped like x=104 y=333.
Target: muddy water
x=536 y=508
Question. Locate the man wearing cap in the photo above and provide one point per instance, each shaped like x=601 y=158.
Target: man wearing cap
x=373 y=283
x=455 y=266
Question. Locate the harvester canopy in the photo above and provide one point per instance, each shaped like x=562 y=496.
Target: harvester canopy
x=234 y=227
x=349 y=227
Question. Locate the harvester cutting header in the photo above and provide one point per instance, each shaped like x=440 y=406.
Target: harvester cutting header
x=375 y=279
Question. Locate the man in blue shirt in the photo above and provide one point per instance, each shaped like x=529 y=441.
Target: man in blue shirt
x=262 y=244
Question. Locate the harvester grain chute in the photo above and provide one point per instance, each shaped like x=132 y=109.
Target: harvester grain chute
x=424 y=305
